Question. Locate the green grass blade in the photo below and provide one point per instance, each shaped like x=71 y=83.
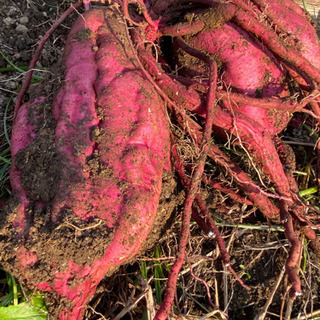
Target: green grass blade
x=311 y=131
x=304 y=5
x=157 y=285
x=144 y=270
x=305 y=255
x=16 y=67
x=3 y=170
x=5 y=120
x=15 y=291
x=23 y=68
x=7 y=300
x=5 y=152
x=145 y=315
x=11 y=63
x=309 y=191
x=5 y=160
x=158 y=273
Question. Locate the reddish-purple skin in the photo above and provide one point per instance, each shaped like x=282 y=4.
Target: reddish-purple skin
x=104 y=91
x=294 y=21
x=22 y=134
x=248 y=68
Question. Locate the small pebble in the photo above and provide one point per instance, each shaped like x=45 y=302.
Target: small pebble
x=8 y=21
x=21 y=28
x=17 y=56
x=12 y=11
x=24 y=20
x=25 y=56
x=211 y=234
x=11 y=85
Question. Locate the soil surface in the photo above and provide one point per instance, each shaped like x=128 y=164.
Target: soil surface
x=257 y=250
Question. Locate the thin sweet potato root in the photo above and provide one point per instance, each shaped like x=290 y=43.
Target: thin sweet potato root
x=88 y=166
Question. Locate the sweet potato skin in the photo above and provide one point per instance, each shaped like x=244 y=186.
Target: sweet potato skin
x=23 y=133
x=294 y=21
x=247 y=68
x=112 y=138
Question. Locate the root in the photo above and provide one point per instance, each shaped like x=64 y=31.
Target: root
x=127 y=15
x=294 y=253
x=191 y=194
x=204 y=219
x=232 y=194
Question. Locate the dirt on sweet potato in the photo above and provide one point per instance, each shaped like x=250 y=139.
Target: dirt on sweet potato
x=71 y=238
x=69 y=245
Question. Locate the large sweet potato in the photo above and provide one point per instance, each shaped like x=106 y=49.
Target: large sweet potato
x=88 y=167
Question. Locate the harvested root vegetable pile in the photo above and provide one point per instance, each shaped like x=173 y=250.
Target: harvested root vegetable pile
x=154 y=101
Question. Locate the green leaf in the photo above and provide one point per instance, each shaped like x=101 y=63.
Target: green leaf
x=16 y=67
x=23 y=311
x=39 y=302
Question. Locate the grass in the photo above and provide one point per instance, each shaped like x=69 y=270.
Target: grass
x=155 y=270
x=19 y=69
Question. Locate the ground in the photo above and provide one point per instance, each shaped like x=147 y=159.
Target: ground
x=258 y=250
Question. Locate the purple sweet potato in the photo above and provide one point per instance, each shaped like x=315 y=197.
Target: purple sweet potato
x=247 y=68
x=110 y=145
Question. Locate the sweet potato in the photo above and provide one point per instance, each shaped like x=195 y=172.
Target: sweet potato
x=107 y=119
x=109 y=147
x=249 y=68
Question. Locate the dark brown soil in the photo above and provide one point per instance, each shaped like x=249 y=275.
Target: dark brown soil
x=257 y=255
